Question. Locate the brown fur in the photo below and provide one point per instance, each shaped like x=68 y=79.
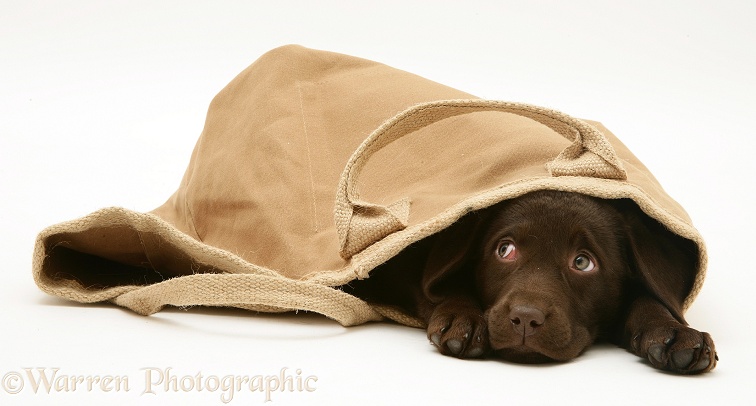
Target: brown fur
x=535 y=304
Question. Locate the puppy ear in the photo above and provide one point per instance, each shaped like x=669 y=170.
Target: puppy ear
x=450 y=254
x=665 y=263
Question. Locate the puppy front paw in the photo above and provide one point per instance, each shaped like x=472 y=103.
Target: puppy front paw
x=676 y=348
x=460 y=333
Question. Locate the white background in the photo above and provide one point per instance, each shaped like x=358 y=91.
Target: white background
x=101 y=103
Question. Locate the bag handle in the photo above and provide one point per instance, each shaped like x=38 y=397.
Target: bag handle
x=360 y=224
x=250 y=290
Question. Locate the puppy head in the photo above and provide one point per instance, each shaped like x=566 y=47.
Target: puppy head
x=550 y=275
x=555 y=270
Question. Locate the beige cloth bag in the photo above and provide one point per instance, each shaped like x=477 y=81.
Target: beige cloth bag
x=315 y=167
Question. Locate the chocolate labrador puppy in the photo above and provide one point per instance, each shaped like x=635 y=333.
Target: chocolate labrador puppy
x=541 y=277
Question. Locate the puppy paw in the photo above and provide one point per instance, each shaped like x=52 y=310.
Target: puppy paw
x=676 y=348
x=459 y=334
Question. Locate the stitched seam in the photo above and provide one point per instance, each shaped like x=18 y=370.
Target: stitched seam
x=309 y=160
x=187 y=206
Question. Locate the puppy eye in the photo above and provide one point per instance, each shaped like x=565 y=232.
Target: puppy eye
x=583 y=263
x=507 y=250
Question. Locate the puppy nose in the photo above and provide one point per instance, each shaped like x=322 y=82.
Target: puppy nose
x=526 y=319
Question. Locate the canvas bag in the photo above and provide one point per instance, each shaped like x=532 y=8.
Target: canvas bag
x=312 y=169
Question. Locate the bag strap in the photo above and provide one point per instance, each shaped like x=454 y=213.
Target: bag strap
x=256 y=290
x=360 y=224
